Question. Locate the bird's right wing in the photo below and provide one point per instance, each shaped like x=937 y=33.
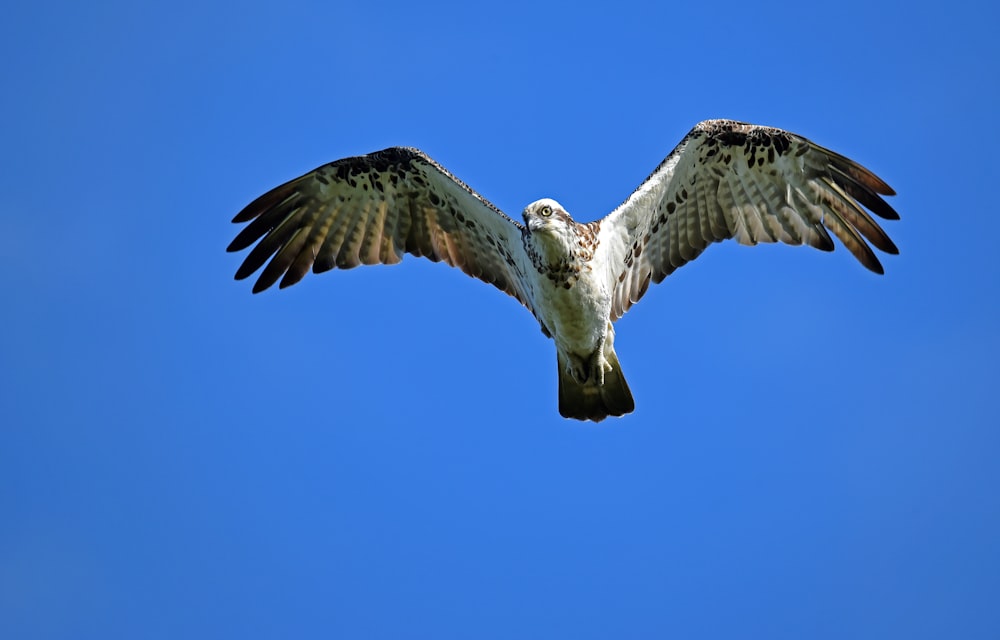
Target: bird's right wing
x=372 y=209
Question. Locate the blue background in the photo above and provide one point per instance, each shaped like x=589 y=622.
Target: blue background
x=377 y=453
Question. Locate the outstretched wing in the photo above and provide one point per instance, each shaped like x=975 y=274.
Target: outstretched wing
x=371 y=210
x=729 y=179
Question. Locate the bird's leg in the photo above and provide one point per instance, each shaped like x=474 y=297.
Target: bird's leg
x=599 y=364
x=592 y=369
x=577 y=367
x=597 y=367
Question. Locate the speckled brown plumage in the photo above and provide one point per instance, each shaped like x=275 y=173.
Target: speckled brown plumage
x=725 y=179
x=756 y=184
x=371 y=210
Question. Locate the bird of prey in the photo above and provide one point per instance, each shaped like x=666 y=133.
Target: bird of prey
x=725 y=179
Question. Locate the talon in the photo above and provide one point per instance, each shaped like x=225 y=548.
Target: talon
x=578 y=369
x=599 y=366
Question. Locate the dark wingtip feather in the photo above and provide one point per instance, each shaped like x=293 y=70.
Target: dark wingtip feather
x=296 y=271
x=890 y=247
x=866 y=256
x=823 y=241
x=885 y=211
x=263 y=224
x=261 y=285
x=873 y=182
x=274 y=270
x=243 y=239
x=249 y=267
x=867 y=197
x=267 y=201
x=880 y=207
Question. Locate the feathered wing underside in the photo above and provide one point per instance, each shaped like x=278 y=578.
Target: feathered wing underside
x=372 y=209
x=755 y=184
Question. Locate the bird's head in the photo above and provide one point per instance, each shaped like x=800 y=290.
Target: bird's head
x=550 y=231
x=546 y=215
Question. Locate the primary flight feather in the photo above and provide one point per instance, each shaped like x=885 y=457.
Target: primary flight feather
x=724 y=180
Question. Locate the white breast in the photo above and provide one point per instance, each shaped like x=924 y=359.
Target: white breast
x=576 y=317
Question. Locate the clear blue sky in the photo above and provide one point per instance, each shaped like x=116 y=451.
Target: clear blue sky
x=377 y=453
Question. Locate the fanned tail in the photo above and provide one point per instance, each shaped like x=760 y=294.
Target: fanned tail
x=590 y=401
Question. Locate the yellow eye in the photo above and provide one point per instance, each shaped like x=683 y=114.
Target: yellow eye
x=545 y=211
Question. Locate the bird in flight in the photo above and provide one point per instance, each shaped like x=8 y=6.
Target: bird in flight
x=725 y=179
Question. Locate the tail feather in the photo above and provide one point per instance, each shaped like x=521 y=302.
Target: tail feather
x=589 y=401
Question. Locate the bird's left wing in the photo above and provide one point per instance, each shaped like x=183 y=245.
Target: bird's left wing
x=729 y=179
x=372 y=209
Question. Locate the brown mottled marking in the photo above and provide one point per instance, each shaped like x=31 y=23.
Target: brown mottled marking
x=724 y=180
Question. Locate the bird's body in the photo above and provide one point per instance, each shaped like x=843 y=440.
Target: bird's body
x=724 y=180
x=568 y=275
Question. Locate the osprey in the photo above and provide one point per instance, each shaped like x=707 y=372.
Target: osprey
x=725 y=179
